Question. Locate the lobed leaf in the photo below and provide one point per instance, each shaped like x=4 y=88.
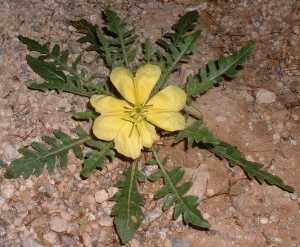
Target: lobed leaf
x=89 y=32
x=58 y=72
x=185 y=24
x=185 y=205
x=33 y=45
x=197 y=133
x=114 y=41
x=215 y=71
x=40 y=155
x=97 y=157
x=127 y=210
x=46 y=70
x=177 y=46
x=252 y=169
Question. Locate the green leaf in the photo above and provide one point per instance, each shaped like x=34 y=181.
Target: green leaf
x=85 y=115
x=55 y=51
x=185 y=24
x=96 y=158
x=127 y=210
x=114 y=42
x=54 y=153
x=46 y=70
x=71 y=86
x=177 y=47
x=33 y=45
x=197 y=133
x=149 y=51
x=185 y=205
x=121 y=37
x=215 y=71
x=89 y=32
x=252 y=169
x=58 y=72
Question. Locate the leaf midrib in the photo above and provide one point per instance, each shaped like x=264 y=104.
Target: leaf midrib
x=63 y=148
x=234 y=63
x=173 y=187
x=175 y=62
x=130 y=188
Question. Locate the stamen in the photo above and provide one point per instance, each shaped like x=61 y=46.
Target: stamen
x=135 y=114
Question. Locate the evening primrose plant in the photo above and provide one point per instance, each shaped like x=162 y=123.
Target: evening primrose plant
x=131 y=110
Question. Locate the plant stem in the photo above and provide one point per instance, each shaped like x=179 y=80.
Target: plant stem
x=87 y=95
x=132 y=181
x=166 y=175
x=67 y=147
x=193 y=111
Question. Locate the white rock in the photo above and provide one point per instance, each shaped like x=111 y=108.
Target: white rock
x=264 y=96
x=263 y=220
x=58 y=224
x=10 y=151
x=199 y=179
x=152 y=215
x=105 y=220
x=2 y=201
x=101 y=196
x=27 y=239
x=276 y=138
x=29 y=242
x=7 y=190
x=111 y=191
x=295 y=117
x=220 y=119
x=134 y=243
x=51 y=237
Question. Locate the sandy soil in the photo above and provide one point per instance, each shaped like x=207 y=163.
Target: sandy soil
x=258 y=112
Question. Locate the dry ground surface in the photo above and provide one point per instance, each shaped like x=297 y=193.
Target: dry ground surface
x=258 y=112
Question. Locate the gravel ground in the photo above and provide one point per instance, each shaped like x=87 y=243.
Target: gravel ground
x=258 y=112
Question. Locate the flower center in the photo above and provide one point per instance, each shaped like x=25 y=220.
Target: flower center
x=136 y=113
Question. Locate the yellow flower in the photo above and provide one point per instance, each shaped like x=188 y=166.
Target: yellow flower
x=130 y=122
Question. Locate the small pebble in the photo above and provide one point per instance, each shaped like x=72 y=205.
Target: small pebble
x=105 y=220
x=295 y=117
x=101 y=196
x=263 y=220
x=220 y=119
x=51 y=237
x=264 y=96
x=181 y=243
x=152 y=215
x=134 y=243
x=58 y=224
x=276 y=138
x=30 y=242
x=10 y=151
x=7 y=190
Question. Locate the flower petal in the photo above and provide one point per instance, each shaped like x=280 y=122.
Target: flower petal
x=147 y=133
x=107 y=105
x=122 y=79
x=128 y=141
x=107 y=127
x=170 y=121
x=145 y=79
x=171 y=98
